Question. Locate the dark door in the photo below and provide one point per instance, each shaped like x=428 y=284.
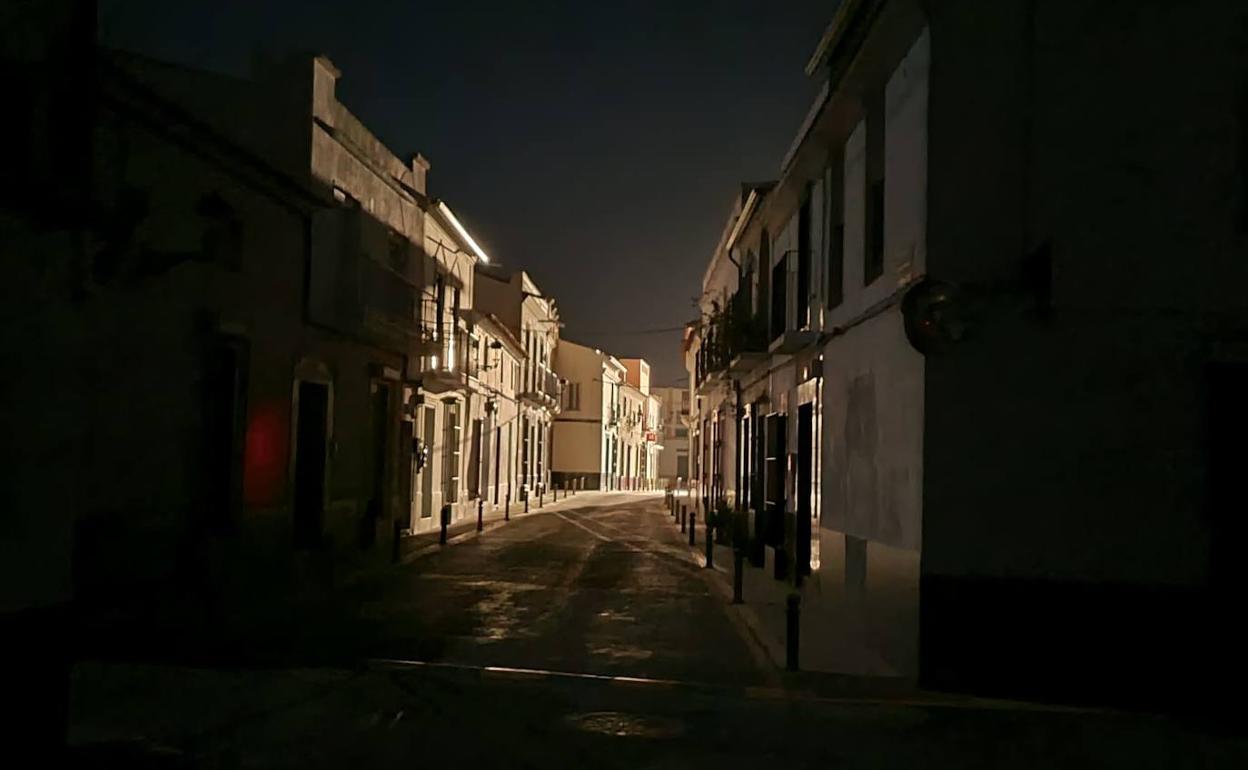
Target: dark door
x=426 y=472
x=774 y=480
x=407 y=472
x=225 y=413
x=379 y=461
x=498 y=461
x=805 y=486
x=757 y=496
x=474 y=461
x=310 y=438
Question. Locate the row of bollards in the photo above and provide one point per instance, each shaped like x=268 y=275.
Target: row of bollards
x=793 y=602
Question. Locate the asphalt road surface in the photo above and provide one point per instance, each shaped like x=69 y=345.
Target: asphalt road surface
x=580 y=638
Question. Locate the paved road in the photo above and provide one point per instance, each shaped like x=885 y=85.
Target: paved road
x=580 y=638
x=608 y=589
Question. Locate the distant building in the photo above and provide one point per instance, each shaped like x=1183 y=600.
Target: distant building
x=639 y=428
x=588 y=434
x=674 y=434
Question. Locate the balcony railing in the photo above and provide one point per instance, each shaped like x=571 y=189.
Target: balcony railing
x=446 y=358
x=728 y=335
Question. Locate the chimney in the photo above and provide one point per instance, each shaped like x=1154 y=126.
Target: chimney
x=324 y=79
x=420 y=171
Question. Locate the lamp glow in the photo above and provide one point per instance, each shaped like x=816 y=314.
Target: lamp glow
x=476 y=249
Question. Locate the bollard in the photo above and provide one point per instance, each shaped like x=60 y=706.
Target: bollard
x=683 y=515
x=693 y=527
x=446 y=522
x=526 y=502
x=540 y=494
x=398 y=535
x=507 y=506
x=738 y=575
x=480 y=514
x=792 y=622
x=710 y=545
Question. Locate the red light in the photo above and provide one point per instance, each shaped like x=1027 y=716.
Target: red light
x=264 y=461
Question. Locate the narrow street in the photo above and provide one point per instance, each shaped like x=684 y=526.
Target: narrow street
x=608 y=589
x=573 y=637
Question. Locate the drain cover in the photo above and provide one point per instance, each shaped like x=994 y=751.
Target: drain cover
x=623 y=725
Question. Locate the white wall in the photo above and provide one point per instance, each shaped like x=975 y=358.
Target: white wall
x=873 y=404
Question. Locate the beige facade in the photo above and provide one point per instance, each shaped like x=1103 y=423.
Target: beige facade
x=589 y=430
x=533 y=319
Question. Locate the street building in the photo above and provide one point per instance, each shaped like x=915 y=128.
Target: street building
x=532 y=318
x=674 y=434
x=588 y=435
x=639 y=427
x=307 y=378
x=972 y=414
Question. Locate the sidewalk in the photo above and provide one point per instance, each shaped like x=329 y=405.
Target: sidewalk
x=823 y=652
x=828 y=671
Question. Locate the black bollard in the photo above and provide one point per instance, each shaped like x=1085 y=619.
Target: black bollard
x=693 y=527
x=446 y=522
x=683 y=515
x=792 y=618
x=710 y=545
x=540 y=494
x=480 y=514
x=738 y=575
x=398 y=536
x=526 y=502
x=507 y=507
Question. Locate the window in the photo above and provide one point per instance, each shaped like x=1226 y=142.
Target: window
x=835 y=201
x=873 y=255
x=802 y=300
x=779 y=279
x=874 y=267
x=222 y=238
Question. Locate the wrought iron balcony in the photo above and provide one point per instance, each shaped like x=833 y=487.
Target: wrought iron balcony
x=733 y=340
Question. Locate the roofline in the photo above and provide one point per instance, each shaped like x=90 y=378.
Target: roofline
x=833 y=35
x=445 y=213
x=723 y=247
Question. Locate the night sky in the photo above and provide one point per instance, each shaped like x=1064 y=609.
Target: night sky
x=597 y=145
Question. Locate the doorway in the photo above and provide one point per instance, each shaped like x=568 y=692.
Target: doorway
x=379 y=461
x=310 y=454
x=805 y=488
x=426 y=467
x=225 y=427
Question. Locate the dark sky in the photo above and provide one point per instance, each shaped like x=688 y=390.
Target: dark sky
x=597 y=145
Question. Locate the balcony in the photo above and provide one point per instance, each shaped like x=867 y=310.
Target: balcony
x=541 y=388
x=445 y=359
x=733 y=342
x=793 y=340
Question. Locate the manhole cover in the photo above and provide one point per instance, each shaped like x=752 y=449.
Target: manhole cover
x=623 y=725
